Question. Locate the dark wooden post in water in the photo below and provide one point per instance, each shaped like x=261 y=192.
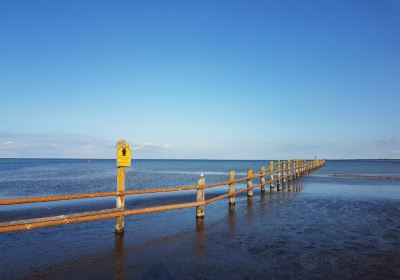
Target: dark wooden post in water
x=284 y=172
x=298 y=168
x=123 y=160
x=250 y=182
x=271 y=172
x=301 y=167
x=201 y=194
x=262 y=178
x=278 y=175
x=119 y=222
x=231 y=187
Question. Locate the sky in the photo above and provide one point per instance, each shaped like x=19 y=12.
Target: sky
x=200 y=79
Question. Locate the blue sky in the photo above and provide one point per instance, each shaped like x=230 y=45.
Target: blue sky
x=200 y=79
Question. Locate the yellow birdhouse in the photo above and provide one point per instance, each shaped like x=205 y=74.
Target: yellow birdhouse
x=123 y=154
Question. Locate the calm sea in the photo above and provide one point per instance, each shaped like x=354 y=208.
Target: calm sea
x=343 y=222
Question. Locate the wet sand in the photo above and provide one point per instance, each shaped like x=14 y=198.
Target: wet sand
x=313 y=234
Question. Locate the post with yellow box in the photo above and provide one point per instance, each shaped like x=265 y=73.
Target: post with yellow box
x=123 y=160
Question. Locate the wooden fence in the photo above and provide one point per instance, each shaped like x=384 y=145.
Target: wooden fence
x=279 y=172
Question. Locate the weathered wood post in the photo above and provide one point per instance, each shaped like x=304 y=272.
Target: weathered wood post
x=119 y=222
x=271 y=172
x=231 y=187
x=301 y=167
x=201 y=194
x=263 y=171
x=284 y=172
x=123 y=160
x=278 y=175
x=294 y=169
x=290 y=174
x=288 y=170
x=250 y=182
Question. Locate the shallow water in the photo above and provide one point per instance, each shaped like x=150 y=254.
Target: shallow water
x=331 y=227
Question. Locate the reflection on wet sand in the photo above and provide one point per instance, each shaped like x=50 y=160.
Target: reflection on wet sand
x=232 y=218
x=200 y=237
x=119 y=256
x=250 y=208
x=297 y=187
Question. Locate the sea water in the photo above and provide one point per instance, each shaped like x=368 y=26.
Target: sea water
x=341 y=222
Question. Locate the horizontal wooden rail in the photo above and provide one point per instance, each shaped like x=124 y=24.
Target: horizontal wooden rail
x=50 y=198
x=100 y=215
x=86 y=217
x=281 y=175
x=38 y=199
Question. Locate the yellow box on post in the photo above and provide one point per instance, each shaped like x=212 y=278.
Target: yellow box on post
x=123 y=154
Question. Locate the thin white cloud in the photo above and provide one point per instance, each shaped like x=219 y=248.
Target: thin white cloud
x=54 y=145
x=149 y=146
x=70 y=146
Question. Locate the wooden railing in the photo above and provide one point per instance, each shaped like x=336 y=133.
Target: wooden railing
x=278 y=173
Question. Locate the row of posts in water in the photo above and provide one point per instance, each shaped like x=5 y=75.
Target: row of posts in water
x=285 y=170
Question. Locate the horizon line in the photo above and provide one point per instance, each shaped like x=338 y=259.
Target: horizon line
x=71 y=158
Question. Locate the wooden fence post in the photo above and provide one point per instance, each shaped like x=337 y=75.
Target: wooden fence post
x=123 y=160
x=250 y=182
x=278 y=174
x=284 y=172
x=262 y=178
x=119 y=221
x=301 y=167
x=271 y=171
x=298 y=168
x=201 y=193
x=231 y=188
